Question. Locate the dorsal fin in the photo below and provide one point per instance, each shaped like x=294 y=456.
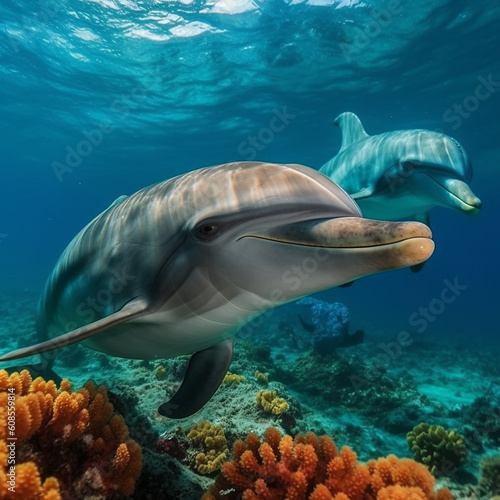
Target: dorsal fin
x=118 y=200
x=351 y=128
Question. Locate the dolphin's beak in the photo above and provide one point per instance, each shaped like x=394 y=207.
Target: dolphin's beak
x=461 y=196
x=390 y=245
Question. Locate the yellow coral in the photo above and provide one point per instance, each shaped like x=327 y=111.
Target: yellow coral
x=160 y=372
x=269 y=402
x=261 y=377
x=214 y=444
x=232 y=378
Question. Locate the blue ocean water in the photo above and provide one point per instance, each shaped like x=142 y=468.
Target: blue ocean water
x=100 y=98
x=182 y=85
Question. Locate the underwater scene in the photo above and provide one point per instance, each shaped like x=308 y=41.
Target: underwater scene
x=249 y=250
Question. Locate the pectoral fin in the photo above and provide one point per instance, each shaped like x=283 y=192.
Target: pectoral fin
x=363 y=193
x=205 y=372
x=130 y=311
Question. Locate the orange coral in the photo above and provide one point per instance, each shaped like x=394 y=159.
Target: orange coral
x=444 y=494
x=405 y=472
x=345 y=475
x=72 y=439
x=401 y=493
x=311 y=468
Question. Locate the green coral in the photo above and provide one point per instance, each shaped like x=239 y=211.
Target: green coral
x=439 y=449
x=490 y=476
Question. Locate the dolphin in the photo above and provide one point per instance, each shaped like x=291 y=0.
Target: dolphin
x=401 y=174
x=178 y=267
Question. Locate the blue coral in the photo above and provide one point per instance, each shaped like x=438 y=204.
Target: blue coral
x=328 y=322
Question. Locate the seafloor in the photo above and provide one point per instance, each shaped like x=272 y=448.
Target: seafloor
x=359 y=402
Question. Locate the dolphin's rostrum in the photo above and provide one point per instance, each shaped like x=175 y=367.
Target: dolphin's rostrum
x=178 y=267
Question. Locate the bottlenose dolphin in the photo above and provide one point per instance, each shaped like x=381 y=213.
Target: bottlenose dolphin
x=178 y=267
x=400 y=174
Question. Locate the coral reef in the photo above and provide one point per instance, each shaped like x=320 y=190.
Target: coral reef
x=24 y=481
x=233 y=378
x=171 y=446
x=312 y=468
x=439 y=449
x=329 y=323
x=270 y=402
x=160 y=372
x=259 y=352
x=483 y=419
x=489 y=483
x=348 y=382
x=262 y=377
x=213 y=442
x=71 y=440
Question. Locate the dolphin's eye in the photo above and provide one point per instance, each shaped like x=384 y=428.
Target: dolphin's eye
x=207 y=230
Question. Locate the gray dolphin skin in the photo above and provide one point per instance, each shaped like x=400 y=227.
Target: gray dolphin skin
x=401 y=174
x=178 y=267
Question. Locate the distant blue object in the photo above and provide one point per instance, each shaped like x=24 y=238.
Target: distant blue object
x=329 y=324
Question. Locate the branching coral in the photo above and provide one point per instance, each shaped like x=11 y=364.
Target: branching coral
x=213 y=442
x=439 y=449
x=23 y=481
x=70 y=439
x=312 y=468
x=270 y=402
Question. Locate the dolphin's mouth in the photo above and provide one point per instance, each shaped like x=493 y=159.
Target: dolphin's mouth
x=461 y=194
x=345 y=232
x=380 y=244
